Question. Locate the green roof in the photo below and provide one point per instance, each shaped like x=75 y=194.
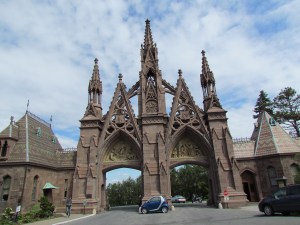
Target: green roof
x=48 y=185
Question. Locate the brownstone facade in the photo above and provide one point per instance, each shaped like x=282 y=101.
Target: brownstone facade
x=153 y=142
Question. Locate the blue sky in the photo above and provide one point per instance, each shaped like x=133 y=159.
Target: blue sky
x=47 y=51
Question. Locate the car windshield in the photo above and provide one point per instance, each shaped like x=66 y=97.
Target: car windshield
x=280 y=193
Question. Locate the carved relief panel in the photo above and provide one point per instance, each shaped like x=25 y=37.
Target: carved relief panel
x=121 y=151
x=186 y=148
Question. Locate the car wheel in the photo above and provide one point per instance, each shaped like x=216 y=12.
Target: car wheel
x=268 y=210
x=286 y=213
x=144 y=211
x=164 y=209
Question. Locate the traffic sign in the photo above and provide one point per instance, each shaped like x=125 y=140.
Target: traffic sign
x=225 y=192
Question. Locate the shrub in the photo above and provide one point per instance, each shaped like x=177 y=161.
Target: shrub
x=47 y=208
x=6 y=218
x=30 y=216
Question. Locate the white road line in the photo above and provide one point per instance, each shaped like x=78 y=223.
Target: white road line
x=68 y=221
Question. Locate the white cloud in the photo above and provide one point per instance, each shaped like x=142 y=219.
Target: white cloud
x=47 y=52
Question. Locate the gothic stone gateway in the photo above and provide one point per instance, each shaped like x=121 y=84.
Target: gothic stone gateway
x=154 y=142
x=33 y=163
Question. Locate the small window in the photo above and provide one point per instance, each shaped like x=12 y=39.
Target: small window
x=6 y=188
x=53 y=139
x=38 y=131
x=66 y=188
x=34 y=188
x=294 y=170
x=272 y=176
x=4 y=149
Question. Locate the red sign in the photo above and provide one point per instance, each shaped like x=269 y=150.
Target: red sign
x=225 y=193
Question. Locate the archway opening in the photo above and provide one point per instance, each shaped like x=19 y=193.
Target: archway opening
x=249 y=185
x=123 y=187
x=191 y=182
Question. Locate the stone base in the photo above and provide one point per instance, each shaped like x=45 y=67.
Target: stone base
x=234 y=200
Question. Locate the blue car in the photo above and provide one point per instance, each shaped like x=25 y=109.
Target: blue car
x=155 y=204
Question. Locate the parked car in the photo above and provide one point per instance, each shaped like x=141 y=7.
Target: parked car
x=284 y=200
x=155 y=204
x=178 y=199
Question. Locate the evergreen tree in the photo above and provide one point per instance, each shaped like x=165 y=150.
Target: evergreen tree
x=287 y=110
x=263 y=103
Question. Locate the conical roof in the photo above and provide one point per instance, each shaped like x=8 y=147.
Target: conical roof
x=271 y=138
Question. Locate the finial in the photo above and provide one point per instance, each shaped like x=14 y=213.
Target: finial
x=203 y=53
x=120 y=77
x=179 y=72
x=11 y=120
x=96 y=61
x=147 y=21
x=27 y=105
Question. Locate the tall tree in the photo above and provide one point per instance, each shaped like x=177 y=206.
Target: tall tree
x=263 y=103
x=287 y=110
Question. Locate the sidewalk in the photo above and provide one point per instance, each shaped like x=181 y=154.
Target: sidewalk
x=61 y=220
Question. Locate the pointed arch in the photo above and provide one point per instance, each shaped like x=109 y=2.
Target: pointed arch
x=249 y=182
x=121 y=135
x=189 y=146
x=194 y=134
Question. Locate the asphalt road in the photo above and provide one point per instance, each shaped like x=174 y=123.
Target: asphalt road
x=188 y=215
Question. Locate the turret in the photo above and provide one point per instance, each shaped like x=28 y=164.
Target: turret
x=95 y=93
x=208 y=84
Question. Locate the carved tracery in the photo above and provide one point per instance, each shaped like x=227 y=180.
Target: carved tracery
x=120 y=119
x=185 y=114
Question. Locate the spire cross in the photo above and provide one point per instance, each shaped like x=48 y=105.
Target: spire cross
x=96 y=61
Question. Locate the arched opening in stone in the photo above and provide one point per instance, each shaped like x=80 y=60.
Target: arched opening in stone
x=123 y=187
x=249 y=185
x=190 y=181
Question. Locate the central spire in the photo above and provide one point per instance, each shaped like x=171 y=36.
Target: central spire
x=148 y=41
x=152 y=96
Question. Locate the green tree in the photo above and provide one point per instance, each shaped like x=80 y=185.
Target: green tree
x=263 y=103
x=126 y=192
x=287 y=110
x=189 y=180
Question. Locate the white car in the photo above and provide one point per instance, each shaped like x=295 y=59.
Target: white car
x=178 y=199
